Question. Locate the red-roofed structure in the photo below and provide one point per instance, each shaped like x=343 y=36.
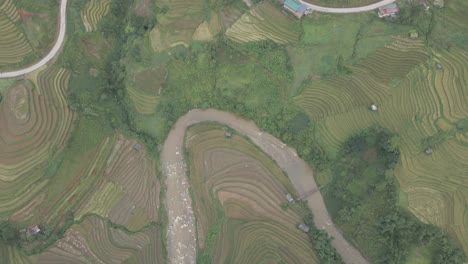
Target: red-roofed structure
x=388 y=10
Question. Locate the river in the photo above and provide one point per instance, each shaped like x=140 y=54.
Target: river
x=181 y=238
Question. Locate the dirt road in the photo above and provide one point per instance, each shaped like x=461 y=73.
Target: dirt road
x=53 y=51
x=181 y=240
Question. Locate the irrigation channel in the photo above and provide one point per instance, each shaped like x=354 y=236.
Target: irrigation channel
x=181 y=238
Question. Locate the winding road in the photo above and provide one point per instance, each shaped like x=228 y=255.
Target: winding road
x=346 y=10
x=181 y=238
x=53 y=51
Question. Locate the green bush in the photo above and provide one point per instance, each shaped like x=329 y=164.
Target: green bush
x=8 y=232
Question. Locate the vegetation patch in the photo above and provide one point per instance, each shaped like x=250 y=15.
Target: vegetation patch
x=362 y=198
x=414 y=101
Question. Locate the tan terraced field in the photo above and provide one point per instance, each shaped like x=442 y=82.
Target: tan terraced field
x=238 y=192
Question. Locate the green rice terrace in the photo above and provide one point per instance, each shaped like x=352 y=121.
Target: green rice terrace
x=27 y=30
x=233 y=131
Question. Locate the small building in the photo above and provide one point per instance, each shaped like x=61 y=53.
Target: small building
x=388 y=10
x=295 y=7
x=289 y=198
x=374 y=107
x=438 y=66
x=413 y=34
x=137 y=147
x=305 y=228
x=31 y=231
x=428 y=151
x=439 y=3
x=228 y=133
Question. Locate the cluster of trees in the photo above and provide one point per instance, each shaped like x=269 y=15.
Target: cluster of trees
x=321 y=242
x=439 y=137
x=35 y=244
x=363 y=195
x=9 y=233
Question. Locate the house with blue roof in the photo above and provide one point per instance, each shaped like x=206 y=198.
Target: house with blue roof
x=295 y=7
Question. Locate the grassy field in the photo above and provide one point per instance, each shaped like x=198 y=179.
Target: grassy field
x=328 y=38
x=146 y=88
x=235 y=224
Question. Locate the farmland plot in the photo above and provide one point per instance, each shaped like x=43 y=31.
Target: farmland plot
x=14 y=46
x=265 y=21
x=35 y=122
x=145 y=89
x=129 y=195
x=93 y=12
x=417 y=102
x=184 y=21
x=95 y=241
x=238 y=192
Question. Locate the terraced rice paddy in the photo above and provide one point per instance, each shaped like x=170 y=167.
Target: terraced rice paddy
x=415 y=100
x=93 y=12
x=131 y=187
x=237 y=192
x=34 y=123
x=184 y=21
x=95 y=241
x=14 y=46
x=265 y=21
x=145 y=89
x=127 y=195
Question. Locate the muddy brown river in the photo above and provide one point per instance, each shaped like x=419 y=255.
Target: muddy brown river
x=181 y=238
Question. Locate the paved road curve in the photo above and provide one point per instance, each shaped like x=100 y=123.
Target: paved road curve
x=53 y=51
x=339 y=10
x=181 y=241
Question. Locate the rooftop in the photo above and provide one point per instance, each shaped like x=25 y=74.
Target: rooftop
x=294 y=5
x=388 y=9
x=304 y=227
